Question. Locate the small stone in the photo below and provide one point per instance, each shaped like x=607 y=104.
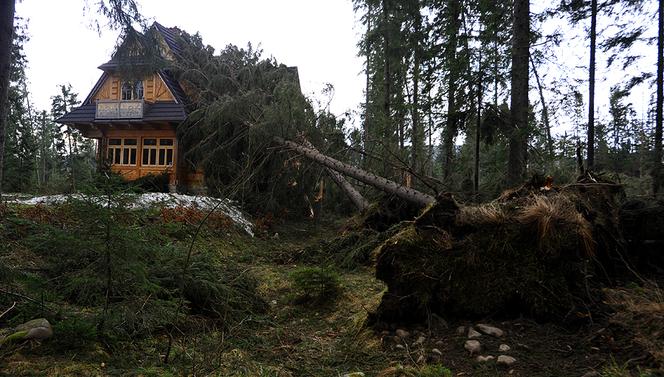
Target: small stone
x=418 y=342
x=400 y=346
x=403 y=334
x=461 y=330
x=472 y=346
x=505 y=360
x=473 y=334
x=504 y=348
x=384 y=333
x=484 y=359
x=490 y=330
x=436 y=351
x=421 y=359
x=440 y=343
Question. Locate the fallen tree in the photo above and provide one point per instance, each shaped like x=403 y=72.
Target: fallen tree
x=541 y=252
x=369 y=178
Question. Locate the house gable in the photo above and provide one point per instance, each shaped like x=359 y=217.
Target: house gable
x=154 y=86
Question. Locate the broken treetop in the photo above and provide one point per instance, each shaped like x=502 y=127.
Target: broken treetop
x=157 y=97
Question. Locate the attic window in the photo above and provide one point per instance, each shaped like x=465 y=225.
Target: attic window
x=132 y=90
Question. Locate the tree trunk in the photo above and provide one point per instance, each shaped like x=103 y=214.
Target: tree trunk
x=417 y=138
x=591 y=84
x=545 y=112
x=518 y=143
x=367 y=124
x=387 y=80
x=380 y=183
x=451 y=127
x=657 y=168
x=345 y=186
x=476 y=180
x=6 y=39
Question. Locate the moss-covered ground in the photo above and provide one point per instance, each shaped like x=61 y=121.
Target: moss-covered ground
x=296 y=338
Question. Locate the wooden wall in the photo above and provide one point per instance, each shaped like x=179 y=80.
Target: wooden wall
x=154 y=89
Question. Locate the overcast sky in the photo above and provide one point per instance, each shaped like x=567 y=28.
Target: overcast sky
x=317 y=36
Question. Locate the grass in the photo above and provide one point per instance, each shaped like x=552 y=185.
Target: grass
x=287 y=339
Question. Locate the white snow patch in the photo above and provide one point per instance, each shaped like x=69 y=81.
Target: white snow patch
x=161 y=200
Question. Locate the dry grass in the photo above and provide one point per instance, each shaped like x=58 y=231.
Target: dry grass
x=487 y=214
x=641 y=309
x=553 y=214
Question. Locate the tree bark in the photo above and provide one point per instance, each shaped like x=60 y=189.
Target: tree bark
x=345 y=186
x=476 y=180
x=451 y=127
x=518 y=143
x=387 y=80
x=545 y=112
x=591 y=84
x=417 y=138
x=380 y=183
x=657 y=167
x=6 y=39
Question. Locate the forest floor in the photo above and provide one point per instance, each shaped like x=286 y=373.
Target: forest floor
x=292 y=338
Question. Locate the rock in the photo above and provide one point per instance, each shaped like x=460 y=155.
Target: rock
x=490 y=330
x=484 y=359
x=505 y=360
x=504 y=348
x=473 y=334
x=473 y=346
x=36 y=329
x=436 y=351
x=461 y=330
x=419 y=342
x=384 y=333
x=403 y=334
x=400 y=347
x=354 y=374
x=440 y=343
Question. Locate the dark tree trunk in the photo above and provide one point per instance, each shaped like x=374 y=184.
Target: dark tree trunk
x=417 y=139
x=367 y=135
x=657 y=169
x=364 y=176
x=387 y=89
x=476 y=180
x=545 y=112
x=451 y=128
x=6 y=39
x=591 y=84
x=516 y=168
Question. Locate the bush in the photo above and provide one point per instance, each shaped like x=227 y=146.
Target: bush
x=315 y=284
x=74 y=333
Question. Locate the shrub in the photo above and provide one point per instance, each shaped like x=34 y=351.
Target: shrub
x=315 y=284
x=74 y=333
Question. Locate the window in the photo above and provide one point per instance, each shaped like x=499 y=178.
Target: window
x=132 y=90
x=158 y=152
x=122 y=151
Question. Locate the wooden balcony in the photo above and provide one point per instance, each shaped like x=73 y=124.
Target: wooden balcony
x=112 y=109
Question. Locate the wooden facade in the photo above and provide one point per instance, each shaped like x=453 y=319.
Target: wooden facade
x=135 y=121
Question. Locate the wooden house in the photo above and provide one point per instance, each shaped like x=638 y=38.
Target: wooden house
x=135 y=121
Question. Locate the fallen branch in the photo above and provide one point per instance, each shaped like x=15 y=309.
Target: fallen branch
x=8 y=310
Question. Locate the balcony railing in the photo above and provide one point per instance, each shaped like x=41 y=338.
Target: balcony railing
x=111 y=109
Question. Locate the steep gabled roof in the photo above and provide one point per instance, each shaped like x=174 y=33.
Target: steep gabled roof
x=170 y=37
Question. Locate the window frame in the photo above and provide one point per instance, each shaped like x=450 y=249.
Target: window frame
x=118 y=152
x=129 y=90
x=153 y=158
